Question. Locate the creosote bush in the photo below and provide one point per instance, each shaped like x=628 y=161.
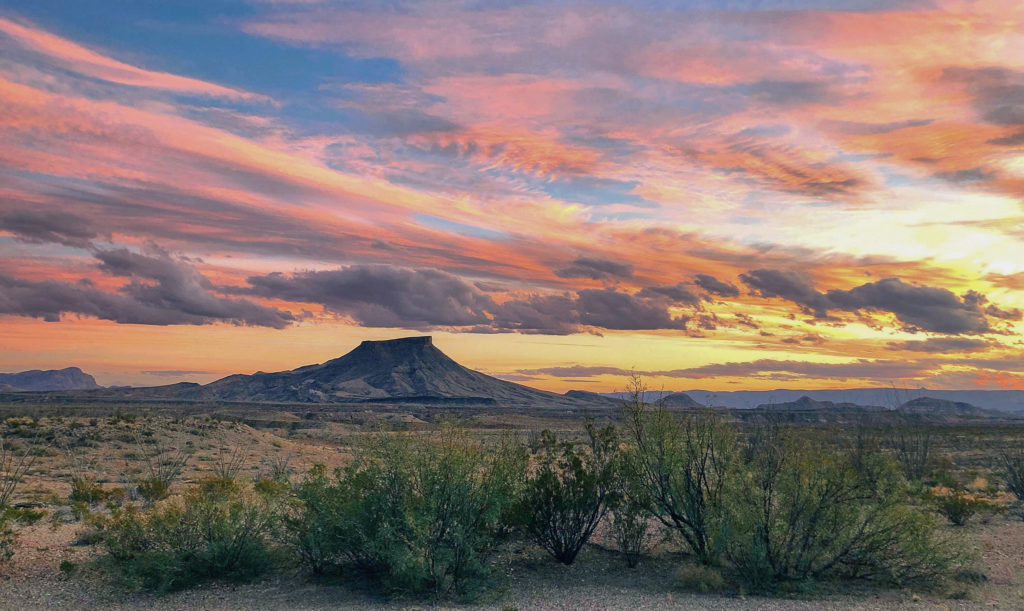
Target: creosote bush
x=958 y=506
x=629 y=519
x=684 y=461
x=569 y=491
x=776 y=511
x=802 y=514
x=219 y=530
x=419 y=515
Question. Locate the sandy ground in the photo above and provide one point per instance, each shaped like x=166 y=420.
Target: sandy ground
x=597 y=581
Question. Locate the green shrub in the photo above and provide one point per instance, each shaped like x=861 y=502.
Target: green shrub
x=802 y=514
x=630 y=526
x=569 y=491
x=418 y=515
x=684 y=461
x=153 y=489
x=958 y=506
x=87 y=491
x=215 y=532
x=630 y=515
x=1012 y=468
x=8 y=538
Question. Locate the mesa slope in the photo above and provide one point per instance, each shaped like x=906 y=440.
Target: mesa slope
x=410 y=369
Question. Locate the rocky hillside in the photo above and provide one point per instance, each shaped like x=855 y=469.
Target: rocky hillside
x=929 y=406
x=680 y=400
x=70 y=378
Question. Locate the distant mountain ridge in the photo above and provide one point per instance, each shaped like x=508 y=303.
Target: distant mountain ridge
x=808 y=410
x=807 y=403
x=1011 y=401
x=931 y=406
x=69 y=378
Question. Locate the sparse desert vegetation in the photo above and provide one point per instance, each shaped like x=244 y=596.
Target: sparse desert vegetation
x=679 y=504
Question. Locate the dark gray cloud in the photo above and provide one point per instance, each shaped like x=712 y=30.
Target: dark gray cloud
x=611 y=309
x=997 y=312
x=715 y=286
x=919 y=308
x=941 y=345
x=382 y=295
x=175 y=286
x=55 y=227
x=604 y=308
x=998 y=92
x=677 y=293
x=790 y=285
x=163 y=291
x=595 y=269
x=540 y=314
x=387 y=296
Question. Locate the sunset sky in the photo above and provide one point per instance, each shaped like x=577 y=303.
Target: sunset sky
x=715 y=194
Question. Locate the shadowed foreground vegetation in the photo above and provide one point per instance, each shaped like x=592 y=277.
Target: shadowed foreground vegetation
x=765 y=508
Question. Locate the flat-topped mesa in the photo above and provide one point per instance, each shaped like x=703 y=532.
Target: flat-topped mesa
x=390 y=352
x=421 y=340
x=406 y=370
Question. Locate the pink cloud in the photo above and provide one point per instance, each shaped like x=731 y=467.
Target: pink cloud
x=96 y=65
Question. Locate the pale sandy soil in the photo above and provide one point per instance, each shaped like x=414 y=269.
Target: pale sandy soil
x=597 y=581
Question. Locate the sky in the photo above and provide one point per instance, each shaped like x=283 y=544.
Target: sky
x=712 y=194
